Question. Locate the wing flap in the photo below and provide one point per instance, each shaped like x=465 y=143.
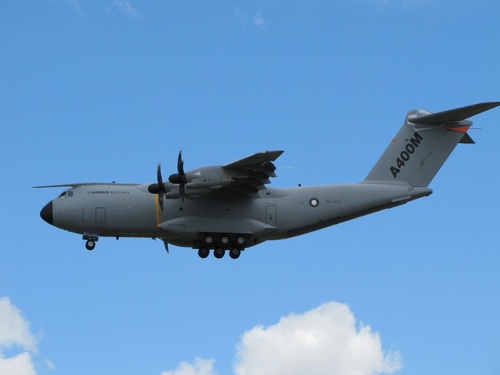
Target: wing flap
x=252 y=173
x=254 y=160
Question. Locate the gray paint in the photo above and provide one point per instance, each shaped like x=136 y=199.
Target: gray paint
x=233 y=204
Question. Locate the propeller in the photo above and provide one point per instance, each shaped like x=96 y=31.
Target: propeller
x=158 y=188
x=179 y=178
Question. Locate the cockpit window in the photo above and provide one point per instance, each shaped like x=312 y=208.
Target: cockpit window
x=68 y=193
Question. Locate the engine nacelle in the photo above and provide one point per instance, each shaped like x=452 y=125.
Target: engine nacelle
x=202 y=181
x=208 y=178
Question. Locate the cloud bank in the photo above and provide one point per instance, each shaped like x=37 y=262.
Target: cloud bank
x=15 y=332
x=200 y=367
x=325 y=340
x=125 y=7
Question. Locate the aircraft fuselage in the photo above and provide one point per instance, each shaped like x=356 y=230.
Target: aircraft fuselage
x=129 y=210
x=230 y=207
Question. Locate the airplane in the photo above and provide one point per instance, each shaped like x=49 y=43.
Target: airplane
x=230 y=208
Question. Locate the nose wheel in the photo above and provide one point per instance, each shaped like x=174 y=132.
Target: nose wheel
x=91 y=240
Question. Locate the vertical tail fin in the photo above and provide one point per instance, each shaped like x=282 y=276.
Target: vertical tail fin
x=424 y=143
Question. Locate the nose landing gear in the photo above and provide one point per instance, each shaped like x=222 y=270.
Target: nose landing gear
x=91 y=240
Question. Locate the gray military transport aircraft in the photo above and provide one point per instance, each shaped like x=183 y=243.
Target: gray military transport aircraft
x=230 y=208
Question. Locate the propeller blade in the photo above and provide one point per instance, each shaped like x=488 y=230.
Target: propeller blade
x=159 y=187
x=180 y=177
x=160 y=201
x=182 y=192
x=158 y=175
x=180 y=164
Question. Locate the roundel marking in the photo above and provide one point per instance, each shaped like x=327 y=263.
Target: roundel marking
x=314 y=202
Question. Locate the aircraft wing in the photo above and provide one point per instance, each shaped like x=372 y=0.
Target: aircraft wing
x=75 y=184
x=250 y=174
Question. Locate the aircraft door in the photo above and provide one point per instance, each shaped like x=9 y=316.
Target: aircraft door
x=100 y=218
x=271 y=215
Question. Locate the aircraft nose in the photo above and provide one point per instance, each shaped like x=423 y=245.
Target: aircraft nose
x=47 y=213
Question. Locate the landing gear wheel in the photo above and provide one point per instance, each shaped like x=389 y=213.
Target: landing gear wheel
x=219 y=252
x=203 y=252
x=240 y=240
x=209 y=240
x=224 y=240
x=235 y=253
x=90 y=244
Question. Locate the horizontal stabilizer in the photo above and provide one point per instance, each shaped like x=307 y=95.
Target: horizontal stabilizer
x=452 y=115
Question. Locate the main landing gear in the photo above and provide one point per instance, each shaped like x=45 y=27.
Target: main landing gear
x=233 y=244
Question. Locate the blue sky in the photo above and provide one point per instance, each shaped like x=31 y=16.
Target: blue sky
x=104 y=90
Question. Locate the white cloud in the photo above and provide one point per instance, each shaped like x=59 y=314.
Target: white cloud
x=20 y=364
x=324 y=340
x=14 y=329
x=200 y=367
x=15 y=332
x=258 y=21
x=125 y=7
x=75 y=4
x=245 y=19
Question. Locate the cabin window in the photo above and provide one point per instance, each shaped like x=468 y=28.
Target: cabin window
x=63 y=195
